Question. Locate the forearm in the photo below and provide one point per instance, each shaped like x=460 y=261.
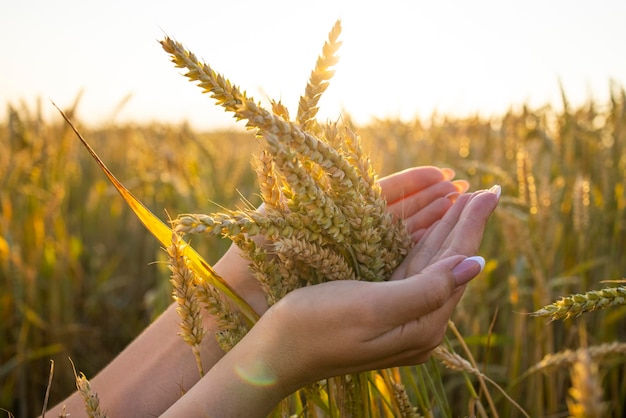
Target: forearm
x=249 y=381
x=156 y=368
x=149 y=375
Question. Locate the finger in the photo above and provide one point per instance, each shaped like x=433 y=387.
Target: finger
x=411 y=342
x=412 y=204
x=410 y=181
x=401 y=301
x=467 y=234
x=427 y=216
x=429 y=246
x=460 y=230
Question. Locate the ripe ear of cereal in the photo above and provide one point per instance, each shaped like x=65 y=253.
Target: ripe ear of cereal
x=323 y=218
x=323 y=210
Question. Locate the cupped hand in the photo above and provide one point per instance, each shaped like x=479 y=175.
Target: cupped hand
x=420 y=196
x=349 y=326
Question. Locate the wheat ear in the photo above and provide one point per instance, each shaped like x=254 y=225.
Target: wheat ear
x=271 y=182
x=89 y=396
x=221 y=89
x=183 y=280
x=272 y=224
x=233 y=100
x=319 y=80
x=231 y=328
x=454 y=361
x=568 y=357
x=579 y=304
x=407 y=410
x=327 y=263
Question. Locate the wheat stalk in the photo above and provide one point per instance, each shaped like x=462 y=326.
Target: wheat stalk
x=578 y=304
x=585 y=399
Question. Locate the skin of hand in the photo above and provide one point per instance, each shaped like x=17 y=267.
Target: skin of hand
x=345 y=327
x=420 y=196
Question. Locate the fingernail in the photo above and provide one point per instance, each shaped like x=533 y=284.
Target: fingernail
x=448 y=173
x=467 y=269
x=452 y=196
x=496 y=189
x=461 y=185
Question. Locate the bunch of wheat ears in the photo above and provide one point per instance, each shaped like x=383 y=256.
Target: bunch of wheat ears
x=323 y=212
x=323 y=218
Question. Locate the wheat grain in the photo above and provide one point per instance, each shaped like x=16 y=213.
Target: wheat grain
x=271 y=183
x=270 y=126
x=308 y=198
x=279 y=109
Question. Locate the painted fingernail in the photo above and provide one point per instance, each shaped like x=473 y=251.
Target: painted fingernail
x=467 y=269
x=448 y=173
x=496 y=189
x=452 y=196
x=461 y=185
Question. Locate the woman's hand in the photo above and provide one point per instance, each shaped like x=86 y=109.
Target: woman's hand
x=420 y=196
x=350 y=326
x=342 y=327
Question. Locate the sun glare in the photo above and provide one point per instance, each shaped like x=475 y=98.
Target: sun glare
x=400 y=59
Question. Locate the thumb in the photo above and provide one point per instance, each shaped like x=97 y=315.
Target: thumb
x=431 y=289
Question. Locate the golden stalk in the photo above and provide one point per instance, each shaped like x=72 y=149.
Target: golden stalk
x=585 y=399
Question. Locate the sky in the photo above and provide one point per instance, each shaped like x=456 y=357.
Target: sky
x=402 y=59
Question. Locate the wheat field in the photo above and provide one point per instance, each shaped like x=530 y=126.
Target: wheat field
x=80 y=276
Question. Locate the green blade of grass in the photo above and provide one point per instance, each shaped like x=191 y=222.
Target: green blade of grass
x=163 y=233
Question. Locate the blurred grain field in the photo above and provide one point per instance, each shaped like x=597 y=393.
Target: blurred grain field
x=80 y=276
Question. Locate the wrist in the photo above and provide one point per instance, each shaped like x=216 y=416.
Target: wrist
x=249 y=380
